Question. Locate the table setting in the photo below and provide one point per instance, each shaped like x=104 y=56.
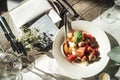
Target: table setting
x=52 y=43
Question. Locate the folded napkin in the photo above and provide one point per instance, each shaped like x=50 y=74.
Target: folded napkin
x=28 y=10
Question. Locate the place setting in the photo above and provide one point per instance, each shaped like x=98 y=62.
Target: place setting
x=70 y=54
x=71 y=49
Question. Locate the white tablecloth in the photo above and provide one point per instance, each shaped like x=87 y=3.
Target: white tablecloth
x=112 y=28
x=47 y=65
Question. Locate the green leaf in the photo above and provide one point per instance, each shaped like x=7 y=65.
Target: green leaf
x=112 y=63
x=114 y=54
x=78 y=36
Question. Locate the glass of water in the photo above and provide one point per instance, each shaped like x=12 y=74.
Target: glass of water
x=111 y=15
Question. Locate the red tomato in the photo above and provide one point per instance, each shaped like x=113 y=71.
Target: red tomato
x=87 y=35
x=71 y=58
x=80 y=51
x=84 y=58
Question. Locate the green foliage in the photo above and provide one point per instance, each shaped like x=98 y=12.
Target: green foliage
x=28 y=37
x=114 y=54
x=78 y=36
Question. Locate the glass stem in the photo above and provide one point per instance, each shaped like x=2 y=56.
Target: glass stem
x=112 y=8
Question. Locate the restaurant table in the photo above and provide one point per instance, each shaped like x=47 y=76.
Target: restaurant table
x=112 y=30
x=46 y=68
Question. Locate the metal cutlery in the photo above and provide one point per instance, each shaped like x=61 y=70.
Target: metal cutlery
x=61 y=9
x=75 y=13
x=15 y=44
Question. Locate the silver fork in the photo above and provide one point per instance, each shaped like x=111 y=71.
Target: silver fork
x=67 y=23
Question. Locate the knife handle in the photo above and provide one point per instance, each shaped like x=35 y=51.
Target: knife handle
x=5 y=24
x=21 y=48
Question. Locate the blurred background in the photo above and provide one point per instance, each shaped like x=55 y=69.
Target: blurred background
x=88 y=9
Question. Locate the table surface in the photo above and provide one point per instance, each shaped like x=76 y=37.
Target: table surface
x=89 y=9
x=47 y=67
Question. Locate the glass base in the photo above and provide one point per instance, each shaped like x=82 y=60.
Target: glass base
x=13 y=77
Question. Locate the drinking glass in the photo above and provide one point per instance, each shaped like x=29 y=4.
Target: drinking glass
x=2 y=70
x=11 y=66
x=110 y=15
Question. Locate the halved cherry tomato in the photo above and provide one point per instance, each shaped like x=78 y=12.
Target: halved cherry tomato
x=71 y=58
x=80 y=51
x=84 y=58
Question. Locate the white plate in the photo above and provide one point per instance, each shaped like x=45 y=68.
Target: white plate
x=83 y=71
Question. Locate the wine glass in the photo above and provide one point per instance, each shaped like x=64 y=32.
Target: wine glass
x=110 y=15
x=2 y=70
x=12 y=66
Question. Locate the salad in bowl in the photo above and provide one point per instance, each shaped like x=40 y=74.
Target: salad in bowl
x=81 y=47
x=85 y=43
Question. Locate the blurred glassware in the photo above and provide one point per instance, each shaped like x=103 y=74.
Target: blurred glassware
x=10 y=67
x=110 y=15
x=117 y=2
x=2 y=71
x=13 y=66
